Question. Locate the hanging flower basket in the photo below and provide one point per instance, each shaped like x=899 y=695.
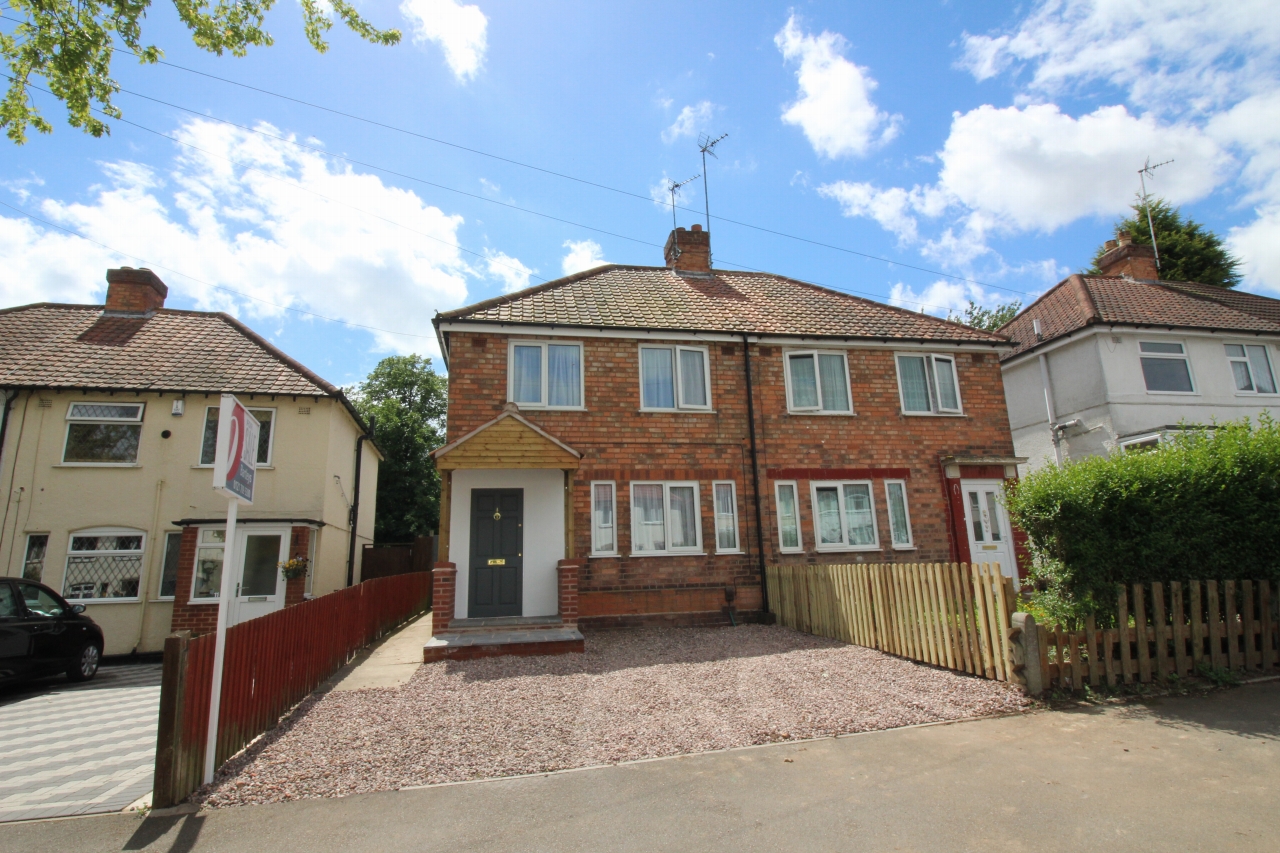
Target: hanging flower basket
x=295 y=568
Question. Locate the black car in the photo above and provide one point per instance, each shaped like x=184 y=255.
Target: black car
x=41 y=634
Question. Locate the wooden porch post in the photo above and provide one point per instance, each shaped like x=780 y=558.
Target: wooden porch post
x=568 y=514
x=446 y=493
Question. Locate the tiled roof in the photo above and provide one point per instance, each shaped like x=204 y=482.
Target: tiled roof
x=1082 y=300
x=632 y=297
x=76 y=346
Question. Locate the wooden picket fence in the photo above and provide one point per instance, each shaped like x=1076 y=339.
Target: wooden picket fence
x=1227 y=625
x=952 y=615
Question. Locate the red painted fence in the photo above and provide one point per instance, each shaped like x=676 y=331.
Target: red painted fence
x=272 y=663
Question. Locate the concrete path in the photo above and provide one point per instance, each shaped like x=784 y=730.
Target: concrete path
x=1195 y=773
x=71 y=749
x=391 y=662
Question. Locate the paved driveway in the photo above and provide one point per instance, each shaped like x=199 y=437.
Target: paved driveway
x=72 y=749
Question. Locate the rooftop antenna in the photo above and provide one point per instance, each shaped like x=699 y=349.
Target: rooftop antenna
x=707 y=146
x=673 y=188
x=1149 y=170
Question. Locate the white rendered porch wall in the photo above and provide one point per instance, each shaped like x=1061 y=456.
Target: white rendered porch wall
x=543 y=533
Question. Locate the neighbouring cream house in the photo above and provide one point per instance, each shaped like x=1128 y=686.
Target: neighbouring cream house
x=106 y=450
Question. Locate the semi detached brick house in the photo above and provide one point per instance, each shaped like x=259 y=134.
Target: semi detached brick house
x=631 y=445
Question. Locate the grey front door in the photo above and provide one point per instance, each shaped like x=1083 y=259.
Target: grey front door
x=497 y=553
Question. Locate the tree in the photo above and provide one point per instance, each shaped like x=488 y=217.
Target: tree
x=407 y=400
x=988 y=319
x=70 y=44
x=1188 y=251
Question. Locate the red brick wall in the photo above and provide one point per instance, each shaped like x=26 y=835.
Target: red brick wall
x=299 y=548
x=620 y=443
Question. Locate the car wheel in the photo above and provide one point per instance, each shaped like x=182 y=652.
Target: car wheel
x=86 y=664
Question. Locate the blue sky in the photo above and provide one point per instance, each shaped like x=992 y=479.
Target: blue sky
x=991 y=142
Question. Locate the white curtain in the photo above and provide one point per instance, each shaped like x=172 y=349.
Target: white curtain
x=726 y=527
x=602 y=513
x=947 y=397
x=915 y=385
x=829 y=532
x=564 y=375
x=526 y=375
x=804 y=382
x=649 y=529
x=693 y=378
x=901 y=527
x=858 y=516
x=684 y=517
x=835 y=391
x=657 y=379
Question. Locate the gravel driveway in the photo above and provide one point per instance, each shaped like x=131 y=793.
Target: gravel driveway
x=634 y=694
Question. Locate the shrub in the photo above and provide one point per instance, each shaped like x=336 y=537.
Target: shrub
x=1205 y=506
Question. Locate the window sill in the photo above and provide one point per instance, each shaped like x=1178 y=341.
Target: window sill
x=203 y=600
x=210 y=468
x=1151 y=393
x=668 y=554
x=736 y=551
x=1253 y=394
x=163 y=599
x=645 y=411
x=790 y=550
x=863 y=549
x=904 y=547
x=88 y=601
x=934 y=414
x=610 y=556
x=804 y=412
x=534 y=407
x=97 y=465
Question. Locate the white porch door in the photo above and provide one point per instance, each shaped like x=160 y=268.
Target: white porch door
x=990 y=538
x=260 y=589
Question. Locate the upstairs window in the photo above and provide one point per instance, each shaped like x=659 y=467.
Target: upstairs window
x=209 y=444
x=103 y=433
x=818 y=382
x=1251 y=368
x=674 y=378
x=103 y=564
x=545 y=375
x=844 y=516
x=665 y=518
x=1165 y=367
x=928 y=385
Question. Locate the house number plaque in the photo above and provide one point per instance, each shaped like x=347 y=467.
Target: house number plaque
x=498 y=562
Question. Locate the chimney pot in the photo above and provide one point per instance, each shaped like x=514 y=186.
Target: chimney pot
x=1124 y=238
x=1109 y=245
x=134 y=291
x=697 y=227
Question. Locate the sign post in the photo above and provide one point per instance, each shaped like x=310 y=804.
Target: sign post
x=235 y=465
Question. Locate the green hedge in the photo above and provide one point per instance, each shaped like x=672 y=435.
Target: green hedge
x=1205 y=506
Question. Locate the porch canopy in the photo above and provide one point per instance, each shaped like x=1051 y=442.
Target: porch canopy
x=507 y=441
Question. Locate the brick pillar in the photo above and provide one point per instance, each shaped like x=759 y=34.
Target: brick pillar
x=568 y=590
x=299 y=548
x=444 y=584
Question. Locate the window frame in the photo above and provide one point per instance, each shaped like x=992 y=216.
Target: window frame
x=70 y=420
x=778 y=485
x=26 y=556
x=271 y=436
x=844 y=545
x=715 y=517
x=906 y=510
x=1249 y=365
x=164 y=554
x=1185 y=358
x=676 y=386
x=545 y=378
x=787 y=355
x=105 y=531
x=667 y=485
x=192 y=598
x=931 y=359
x=596 y=551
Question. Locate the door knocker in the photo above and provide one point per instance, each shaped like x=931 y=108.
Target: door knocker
x=497 y=516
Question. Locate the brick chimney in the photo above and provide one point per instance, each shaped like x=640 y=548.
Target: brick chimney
x=689 y=252
x=134 y=292
x=1128 y=259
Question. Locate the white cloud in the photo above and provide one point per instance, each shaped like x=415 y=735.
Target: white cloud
x=691 y=119
x=513 y=274
x=260 y=228
x=834 y=106
x=459 y=30
x=1166 y=54
x=1258 y=245
x=582 y=255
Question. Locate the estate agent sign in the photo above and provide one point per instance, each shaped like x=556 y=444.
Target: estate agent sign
x=236 y=459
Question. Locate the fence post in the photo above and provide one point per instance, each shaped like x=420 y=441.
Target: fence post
x=169 y=741
x=1024 y=641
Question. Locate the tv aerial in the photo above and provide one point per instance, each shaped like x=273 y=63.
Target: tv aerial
x=1146 y=171
x=707 y=146
x=673 y=188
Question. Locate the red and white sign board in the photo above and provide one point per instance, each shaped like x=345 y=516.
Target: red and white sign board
x=235 y=462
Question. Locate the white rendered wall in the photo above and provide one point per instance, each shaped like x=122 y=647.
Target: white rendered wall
x=543 y=533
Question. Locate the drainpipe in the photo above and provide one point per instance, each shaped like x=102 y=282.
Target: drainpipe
x=353 y=515
x=1048 y=407
x=755 y=472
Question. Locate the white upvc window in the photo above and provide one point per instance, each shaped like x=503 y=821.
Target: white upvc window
x=103 y=433
x=895 y=496
x=1165 y=367
x=545 y=375
x=818 y=382
x=1251 y=368
x=725 y=494
x=104 y=563
x=266 y=419
x=844 y=515
x=206 y=580
x=604 y=519
x=928 y=384
x=33 y=564
x=169 y=569
x=666 y=518
x=674 y=378
x=790 y=539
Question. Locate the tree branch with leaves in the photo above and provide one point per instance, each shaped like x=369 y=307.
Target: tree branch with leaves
x=70 y=44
